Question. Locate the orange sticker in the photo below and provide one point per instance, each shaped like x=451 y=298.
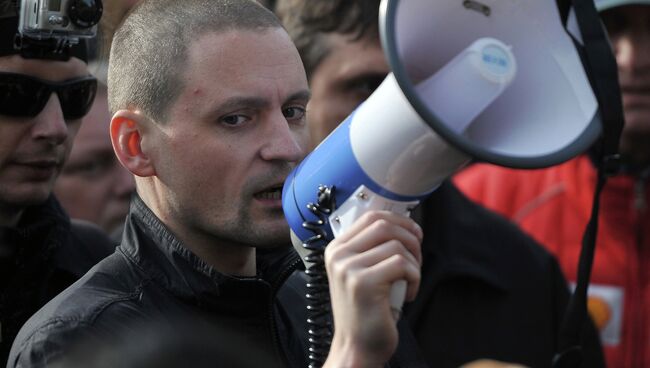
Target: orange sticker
x=599 y=311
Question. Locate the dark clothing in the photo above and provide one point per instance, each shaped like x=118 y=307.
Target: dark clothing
x=44 y=254
x=153 y=277
x=407 y=354
x=488 y=290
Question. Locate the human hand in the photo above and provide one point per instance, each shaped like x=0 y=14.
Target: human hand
x=379 y=249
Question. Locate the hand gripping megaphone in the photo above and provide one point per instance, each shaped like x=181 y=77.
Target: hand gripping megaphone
x=500 y=81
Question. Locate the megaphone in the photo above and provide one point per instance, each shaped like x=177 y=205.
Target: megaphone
x=495 y=80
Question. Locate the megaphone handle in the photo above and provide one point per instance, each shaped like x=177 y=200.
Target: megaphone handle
x=361 y=201
x=397 y=297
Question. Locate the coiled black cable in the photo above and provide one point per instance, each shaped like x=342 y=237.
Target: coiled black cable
x=319 y=309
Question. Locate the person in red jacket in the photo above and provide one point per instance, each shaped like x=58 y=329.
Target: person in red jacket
x=553 y=205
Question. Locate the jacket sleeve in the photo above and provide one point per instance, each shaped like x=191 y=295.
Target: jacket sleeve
x=44 y=346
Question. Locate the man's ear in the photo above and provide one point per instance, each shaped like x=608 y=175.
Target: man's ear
x=126 y=128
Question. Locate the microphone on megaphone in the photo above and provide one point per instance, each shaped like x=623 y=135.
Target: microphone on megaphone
x=503 y=89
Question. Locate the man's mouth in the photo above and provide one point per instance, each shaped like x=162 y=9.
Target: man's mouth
x=43 y=164
x=38 y=170
x=273 y=194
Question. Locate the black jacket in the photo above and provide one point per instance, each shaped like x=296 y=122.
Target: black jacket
x=488 y=290
x=153 y=278
x=46 y=253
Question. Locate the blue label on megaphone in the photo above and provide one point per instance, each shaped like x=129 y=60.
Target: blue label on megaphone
x=495 y=59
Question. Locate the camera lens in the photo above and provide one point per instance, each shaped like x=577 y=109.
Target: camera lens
x=85 y=13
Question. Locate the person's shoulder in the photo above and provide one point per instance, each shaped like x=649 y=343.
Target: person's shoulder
x=92 y=237
x=93 y=306
x=84 y=247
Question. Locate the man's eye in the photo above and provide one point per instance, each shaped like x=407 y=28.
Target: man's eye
x=368 y=86
x=294 y=112
x=234 y=120
x=364 y=86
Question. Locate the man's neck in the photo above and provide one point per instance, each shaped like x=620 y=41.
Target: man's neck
x=227 y=257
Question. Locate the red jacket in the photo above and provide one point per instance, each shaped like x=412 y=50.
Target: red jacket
x=553 y=205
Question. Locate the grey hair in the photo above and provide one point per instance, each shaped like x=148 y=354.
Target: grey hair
x=149 y=50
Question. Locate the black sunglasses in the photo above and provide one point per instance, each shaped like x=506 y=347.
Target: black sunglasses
x=25 y=96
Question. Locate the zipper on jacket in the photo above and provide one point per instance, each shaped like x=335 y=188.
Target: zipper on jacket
x=275 y=287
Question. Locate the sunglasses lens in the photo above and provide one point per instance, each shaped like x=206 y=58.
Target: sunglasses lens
x=21 y=96
x=77 y=98
x=24 y=96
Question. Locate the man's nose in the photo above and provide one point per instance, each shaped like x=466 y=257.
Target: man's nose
x=50 y=124
x=284 y=142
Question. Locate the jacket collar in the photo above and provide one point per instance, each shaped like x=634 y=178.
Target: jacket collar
x=165 y=260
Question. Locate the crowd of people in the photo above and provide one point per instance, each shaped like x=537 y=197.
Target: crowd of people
x=141 y=220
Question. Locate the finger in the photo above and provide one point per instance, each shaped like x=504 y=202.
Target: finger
x=379 y=232
x=376 y=255
x=386 y=272
x=373 y=216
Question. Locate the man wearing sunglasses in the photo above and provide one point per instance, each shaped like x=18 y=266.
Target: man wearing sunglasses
x=43 y=96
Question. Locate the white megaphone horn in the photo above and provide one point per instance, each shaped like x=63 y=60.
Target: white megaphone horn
x=501 y=81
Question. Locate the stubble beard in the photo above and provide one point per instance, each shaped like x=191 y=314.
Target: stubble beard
x=242 y=222
x=267 y=232
x=241 y=227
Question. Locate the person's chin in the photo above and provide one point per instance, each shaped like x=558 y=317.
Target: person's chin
x=269 y=212
x=32 y=196
x=274 y=233
x=35 y=185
